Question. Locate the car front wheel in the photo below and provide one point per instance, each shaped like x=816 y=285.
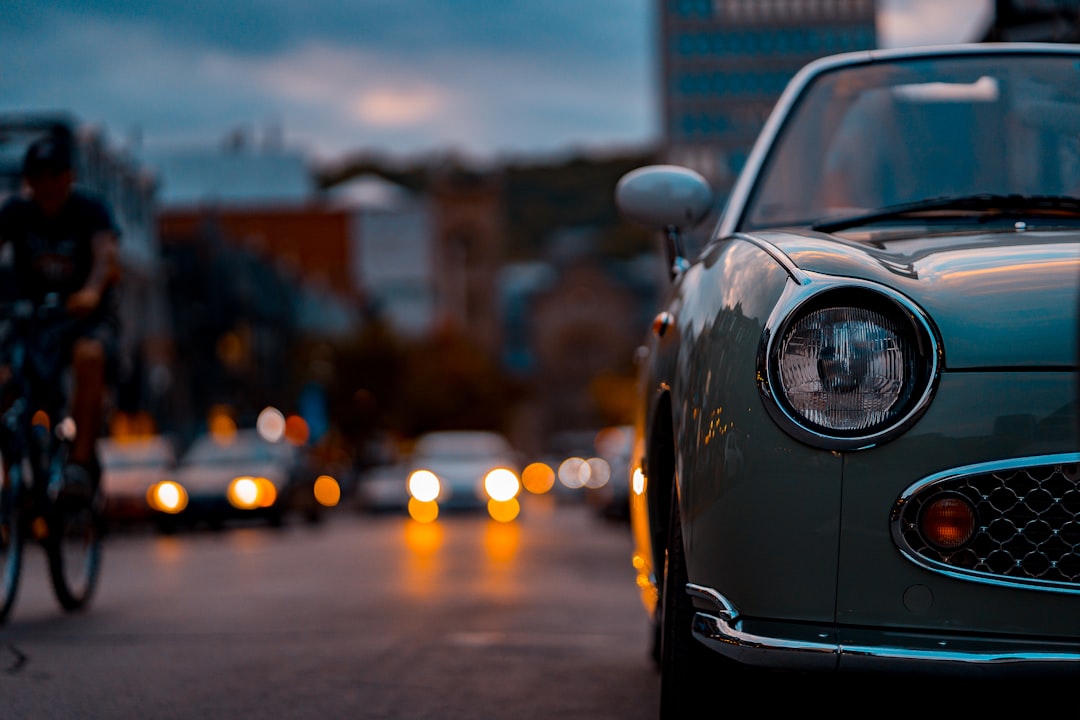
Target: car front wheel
x=688 y=670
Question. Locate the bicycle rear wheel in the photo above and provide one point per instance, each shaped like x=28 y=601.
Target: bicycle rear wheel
x=11 y=540
x=74 y=551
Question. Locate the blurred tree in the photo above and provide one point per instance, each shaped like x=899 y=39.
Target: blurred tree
x=613 y=394
x=452 y=384
x=543 y=197
x=362 y=377
x=382 y=384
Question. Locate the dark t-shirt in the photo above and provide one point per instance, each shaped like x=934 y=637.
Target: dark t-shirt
x=55 y=254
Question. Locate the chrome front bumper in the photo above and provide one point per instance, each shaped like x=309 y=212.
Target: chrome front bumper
x=811 y=648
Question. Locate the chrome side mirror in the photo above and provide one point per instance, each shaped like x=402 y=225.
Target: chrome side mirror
x=667 y=198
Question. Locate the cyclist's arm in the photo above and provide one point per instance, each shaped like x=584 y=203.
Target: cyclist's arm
x=5 y=215
x=104 y=272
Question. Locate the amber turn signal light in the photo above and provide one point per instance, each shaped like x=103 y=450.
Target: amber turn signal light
x=948 y=522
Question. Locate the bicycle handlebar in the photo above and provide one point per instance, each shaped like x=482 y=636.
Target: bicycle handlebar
x=25 y=309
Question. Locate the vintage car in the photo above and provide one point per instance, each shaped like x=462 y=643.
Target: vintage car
x=856 y=441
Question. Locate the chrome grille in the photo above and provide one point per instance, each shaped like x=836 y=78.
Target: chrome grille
x=1027 y=522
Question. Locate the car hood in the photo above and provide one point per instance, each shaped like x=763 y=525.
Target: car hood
x=460 y=472
x=216 y=477
x=999 y=299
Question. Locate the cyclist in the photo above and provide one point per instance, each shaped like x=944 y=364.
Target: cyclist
x=64 y=242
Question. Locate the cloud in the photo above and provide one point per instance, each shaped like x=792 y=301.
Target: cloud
x=480 y=77
x=402 y=77
x=478 y=101
x=397 y=106
x=345 y=82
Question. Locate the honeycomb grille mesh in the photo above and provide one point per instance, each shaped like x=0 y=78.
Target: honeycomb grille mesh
x=1027 y=524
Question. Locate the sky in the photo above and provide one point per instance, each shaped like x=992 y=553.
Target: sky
x=480 y=78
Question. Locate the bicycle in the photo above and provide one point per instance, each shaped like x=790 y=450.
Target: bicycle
x=35 y=440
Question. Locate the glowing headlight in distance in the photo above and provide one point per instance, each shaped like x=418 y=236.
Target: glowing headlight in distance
x=599 y=472
x=503 y=510
x=423 y=485
x=538 y=477
x=423 y=511
x=848 y=370
x=243 y=493
x=501 y=484
x=327 y=490
x=167 y=496
x=574 y=472
x=267 y=492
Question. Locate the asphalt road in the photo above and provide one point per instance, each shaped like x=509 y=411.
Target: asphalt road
x=360 y=617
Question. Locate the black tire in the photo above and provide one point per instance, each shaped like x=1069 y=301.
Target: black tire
x=313 y=514
x=655 y=642
x=74 y=549
x=689 y=672
x=166 y=526
x=11 y=543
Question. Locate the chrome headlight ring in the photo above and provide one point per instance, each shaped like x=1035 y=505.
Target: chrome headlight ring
x=847 y=364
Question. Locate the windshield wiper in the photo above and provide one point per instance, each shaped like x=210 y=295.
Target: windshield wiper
x=987 y=203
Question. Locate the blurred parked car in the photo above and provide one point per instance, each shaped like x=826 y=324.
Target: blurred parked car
x=129 y=467
x=382 y=488
x=611 y=497
x=237 y=476
x=455 y=468
x=857 y=427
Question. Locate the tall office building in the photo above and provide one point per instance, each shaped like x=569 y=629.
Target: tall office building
x=1035 y=21
x=724 y=63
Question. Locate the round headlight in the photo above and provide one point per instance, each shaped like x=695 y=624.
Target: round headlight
x=167 y=496
x=845 y=368
x=850 y=367
x=424 y=485
x=501 y=484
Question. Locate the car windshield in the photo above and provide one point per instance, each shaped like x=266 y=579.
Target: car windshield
x=465 y=446
x=870 y=137
x=122 y=457
x=210 y=451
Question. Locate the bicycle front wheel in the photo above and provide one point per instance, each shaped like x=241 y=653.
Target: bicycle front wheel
x=11 y=540
x=74 y=551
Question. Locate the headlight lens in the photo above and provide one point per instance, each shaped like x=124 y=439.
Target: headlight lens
x=852 y=366
x=845 y=368
x=167 y=496
x=424 y=485
x=502 y=484
x=248 y=493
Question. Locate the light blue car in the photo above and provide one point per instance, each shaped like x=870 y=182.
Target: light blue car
x=856 y=446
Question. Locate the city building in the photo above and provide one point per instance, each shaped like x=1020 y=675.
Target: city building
x=392 y=254
x=724 y=63
x=1034 y=21
x=573 y=322
x=469 y=237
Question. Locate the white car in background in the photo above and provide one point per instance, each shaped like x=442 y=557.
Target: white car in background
x=454 y=468
x=129 y=468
